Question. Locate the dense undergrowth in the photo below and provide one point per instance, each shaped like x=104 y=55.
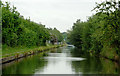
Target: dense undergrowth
x=20 y=35
x=17 y=31
x=100 y=34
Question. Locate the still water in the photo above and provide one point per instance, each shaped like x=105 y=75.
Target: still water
x=63 y=60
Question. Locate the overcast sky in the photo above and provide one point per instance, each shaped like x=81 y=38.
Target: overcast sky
x=55 y=13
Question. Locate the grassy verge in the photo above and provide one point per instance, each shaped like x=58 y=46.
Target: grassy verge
x=9 y=51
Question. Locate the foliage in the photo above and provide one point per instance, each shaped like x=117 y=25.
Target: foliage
x=56 y=36
x=100 y=30
x=17 y=31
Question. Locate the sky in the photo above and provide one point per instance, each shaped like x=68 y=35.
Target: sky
x=60 y=14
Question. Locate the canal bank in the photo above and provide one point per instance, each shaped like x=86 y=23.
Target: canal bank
x=62 y=60
x=21 y=54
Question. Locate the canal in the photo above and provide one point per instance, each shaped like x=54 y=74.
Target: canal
x=63 y=60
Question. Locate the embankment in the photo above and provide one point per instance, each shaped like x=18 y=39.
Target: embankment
x=22 y=54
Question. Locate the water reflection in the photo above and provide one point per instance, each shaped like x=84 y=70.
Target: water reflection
x=64 y=60
x=93 y=65
x=27 y=65
x=59 y=62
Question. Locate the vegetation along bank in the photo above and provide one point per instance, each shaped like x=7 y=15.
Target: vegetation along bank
x=100 y=34
x=22 y=36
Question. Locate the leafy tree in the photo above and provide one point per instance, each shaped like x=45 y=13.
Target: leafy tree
x=18 y=31
x=56 y=36
x=100 y=33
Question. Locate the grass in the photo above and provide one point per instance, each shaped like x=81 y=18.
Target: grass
x=10 y=51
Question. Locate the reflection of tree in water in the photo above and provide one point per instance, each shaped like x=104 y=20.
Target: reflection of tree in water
x=27 y=66
x=56 y=50
x=87 y=66
x=110 y=67
x=59 y=50
x=93 y=65
x=78 y=52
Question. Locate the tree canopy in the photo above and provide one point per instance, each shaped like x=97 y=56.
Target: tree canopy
x=16 y=30
x=101 y=32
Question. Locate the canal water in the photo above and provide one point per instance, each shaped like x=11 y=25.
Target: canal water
x=63 y=60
